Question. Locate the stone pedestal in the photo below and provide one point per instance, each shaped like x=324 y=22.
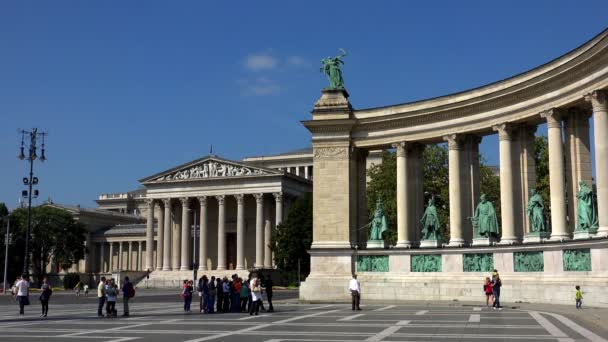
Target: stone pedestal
x=484 y=241
x=431 y=243
x=582 y=235
x=536 y=237
x=376 y=244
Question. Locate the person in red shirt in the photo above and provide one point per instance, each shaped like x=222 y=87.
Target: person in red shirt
x=487 y=288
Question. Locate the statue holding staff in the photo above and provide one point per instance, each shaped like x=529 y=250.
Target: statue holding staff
x=331 y=68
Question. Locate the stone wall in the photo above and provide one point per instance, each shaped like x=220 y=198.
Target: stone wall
x=456 y=274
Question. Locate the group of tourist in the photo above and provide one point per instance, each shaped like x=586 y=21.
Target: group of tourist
x=108 y=291
x=491 y=289
x=229 y=295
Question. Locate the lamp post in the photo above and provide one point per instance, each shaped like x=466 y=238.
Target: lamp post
x=30 y=182
x=7 y=242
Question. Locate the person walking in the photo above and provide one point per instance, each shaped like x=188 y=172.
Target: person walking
x=23 y=293
x=226 y=292
x=188 y=291
x=355 y=292
x=236 y=294
x=86 y=290
x=101 y=296
x=77 y=288
x=496 y=285
x=578 y=297
x=268 y=285
x=128 y=292
x=204 y=291
x=487 y=289
x=45 y=296
x=256 y=295
x=111 y=294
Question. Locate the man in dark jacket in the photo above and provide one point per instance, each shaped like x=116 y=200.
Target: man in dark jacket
x=268 y=284
x=127 y=293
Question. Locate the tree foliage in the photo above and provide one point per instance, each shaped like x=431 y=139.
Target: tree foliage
x=541 y=159
x=55 y=235
x=292 y=238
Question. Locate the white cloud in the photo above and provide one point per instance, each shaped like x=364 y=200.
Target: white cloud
x=259 y=62
x=297 y=61
x=260 y=86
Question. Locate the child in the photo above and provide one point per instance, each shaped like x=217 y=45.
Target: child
x=487 y=288
x=111 y=293
x=579 y=297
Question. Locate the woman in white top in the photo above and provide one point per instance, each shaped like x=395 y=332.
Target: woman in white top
x=256 y=294
x=23 y=288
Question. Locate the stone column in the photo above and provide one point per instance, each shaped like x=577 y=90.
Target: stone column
x=120 y=255
x=185 y=241
x=221 y=233
x=150 y=234
x=176 y=239
x=306 y=172
x=470 y=182
x=278 y=204
x=88 y=257
x=578 y=158
x=297 y=170
x=138 y=266
x=111 y=261
x=259 y=230
x=557 y=189
x=455 y=174
x=130 y=257
x=240 y=231
x=527 y=172
x=160 y=242
x=599 y=101
x=403 y=195
x=202 y=257
x=267 y=234
x=506 y=184
x=278 y=199
x=417 y=188
x=102 y=268
x=167 y=238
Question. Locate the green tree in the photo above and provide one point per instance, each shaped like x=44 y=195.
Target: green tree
x=541 y=159
x=55 y=235
x=292 y=238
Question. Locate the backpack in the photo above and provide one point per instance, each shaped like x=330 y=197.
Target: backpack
x=130 y=291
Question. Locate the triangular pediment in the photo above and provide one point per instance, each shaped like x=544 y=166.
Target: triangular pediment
x=208 y=168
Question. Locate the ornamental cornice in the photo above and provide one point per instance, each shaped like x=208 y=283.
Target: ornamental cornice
x=560 y=83
x=332 y=152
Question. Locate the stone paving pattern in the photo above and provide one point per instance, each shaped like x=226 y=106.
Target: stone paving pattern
x=156 y=316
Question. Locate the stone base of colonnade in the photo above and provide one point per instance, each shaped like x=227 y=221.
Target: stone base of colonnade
x=541 y=273
x=175 y=279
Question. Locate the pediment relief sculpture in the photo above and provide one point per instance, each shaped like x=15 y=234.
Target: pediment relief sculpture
x=211 y=169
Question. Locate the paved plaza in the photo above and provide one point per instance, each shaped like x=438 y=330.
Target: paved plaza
x=161 y=319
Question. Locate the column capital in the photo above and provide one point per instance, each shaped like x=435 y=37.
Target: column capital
x=149 y=202
x=553 y=117
x=278 y=196
x=130 y=244
x=220 y=199
x=202 y=200
x=505 y=131
x=402 y=148
x=473 y=139
x=185 y=201
x=258 y=197
x=598 y=99
x=166 y=202
x=528 y=130
x=239 y=198
x=578 y=112
x=454 y=141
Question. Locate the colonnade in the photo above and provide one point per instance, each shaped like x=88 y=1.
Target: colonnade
x=174 y=251
x=568 y=135
x=129 y=263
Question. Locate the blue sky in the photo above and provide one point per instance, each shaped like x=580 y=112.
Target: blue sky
x=130 y=88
